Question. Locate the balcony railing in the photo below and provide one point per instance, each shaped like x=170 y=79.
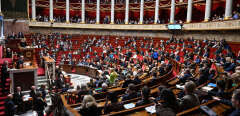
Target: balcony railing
x=219 y=25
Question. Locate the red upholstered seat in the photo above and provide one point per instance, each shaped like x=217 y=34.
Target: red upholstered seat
x=2 y=103
x=2 y=113
x=40 y=72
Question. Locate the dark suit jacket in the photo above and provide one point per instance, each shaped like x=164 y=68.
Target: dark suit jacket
x=91 y=111
x=129 y=96
x=4 y=73
x=8 y=54
x=235 y=113
x=9 y=107
x=19 y=62
x=17 y=97
x=33 y=94
x=189 y=101
x=39 y=104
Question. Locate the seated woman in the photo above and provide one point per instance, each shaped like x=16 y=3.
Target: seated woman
x=190 y=99
x=89 y=106
x=169 y=106
x=145 y=96
x=114 y=105
x=130 y=93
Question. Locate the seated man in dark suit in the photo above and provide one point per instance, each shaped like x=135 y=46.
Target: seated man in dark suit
x=39 y=104
x=8 y=53
x=127 y=81
x=130 y=93
x=114 y=105
x=190 y=99
x=186 y=76
x=234 y=102
x=219 y=91
x=202 y=78
x=18 y=100
x=23 y=43
x=4 y=75
x=9 y=106
x=145 y=96
x=33 y=92
x=20 y=62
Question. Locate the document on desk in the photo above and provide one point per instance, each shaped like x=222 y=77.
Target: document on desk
x=129 y=106
x=151 y=109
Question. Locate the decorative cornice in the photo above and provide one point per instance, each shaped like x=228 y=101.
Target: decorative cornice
x=219 y=25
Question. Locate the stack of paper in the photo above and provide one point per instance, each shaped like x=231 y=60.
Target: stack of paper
x=180 y=86
x=151 y=109
x=206 y=88
x=129 y=106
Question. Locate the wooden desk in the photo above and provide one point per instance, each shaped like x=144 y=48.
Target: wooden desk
x=81 y=70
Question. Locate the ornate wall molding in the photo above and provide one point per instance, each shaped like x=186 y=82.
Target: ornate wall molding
x=220 y=25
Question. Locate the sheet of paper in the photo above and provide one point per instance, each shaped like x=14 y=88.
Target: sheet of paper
x=151 y=109
x=129 y=106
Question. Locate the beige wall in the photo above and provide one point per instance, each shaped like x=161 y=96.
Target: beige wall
x=11 y=25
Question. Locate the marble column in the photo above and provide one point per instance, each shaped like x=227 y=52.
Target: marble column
x=141 y=12
x=1 y=25
x=228 y=9
x=98 y=12
x=0 y=5
x=126 y=11
x=208 y=10
x=172 y=15
x=156 y=12
x=67 y=11
x=189 y=11
x=33 y=10
x=83 y=11
x=51 y=11
x=112 y=11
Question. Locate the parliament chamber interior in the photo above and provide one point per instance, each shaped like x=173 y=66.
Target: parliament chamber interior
x=120 y=57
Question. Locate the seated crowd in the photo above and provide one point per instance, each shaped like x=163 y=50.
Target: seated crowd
x=125 y=62
x=147 y=20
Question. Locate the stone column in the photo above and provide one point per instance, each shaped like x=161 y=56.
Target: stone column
x=2 y=38
x=51 y=11
x=172 y=15
x=228 y=9
x=67 y=11
x=208 y=10
x=0 y=5
x=98 y=12
x=112 y=11
x=141 y=12
x=189 y=11
x=83 y=11
x=156 y=11
x=126 y=11
x=33 y=10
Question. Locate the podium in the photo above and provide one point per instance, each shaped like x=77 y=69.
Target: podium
x=25 y=77
x=49 y=65
x=29 y=55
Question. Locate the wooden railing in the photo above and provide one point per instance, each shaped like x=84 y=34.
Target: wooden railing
x=218 y=25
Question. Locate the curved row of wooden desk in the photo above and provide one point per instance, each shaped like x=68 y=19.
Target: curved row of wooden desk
x=91 y=72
